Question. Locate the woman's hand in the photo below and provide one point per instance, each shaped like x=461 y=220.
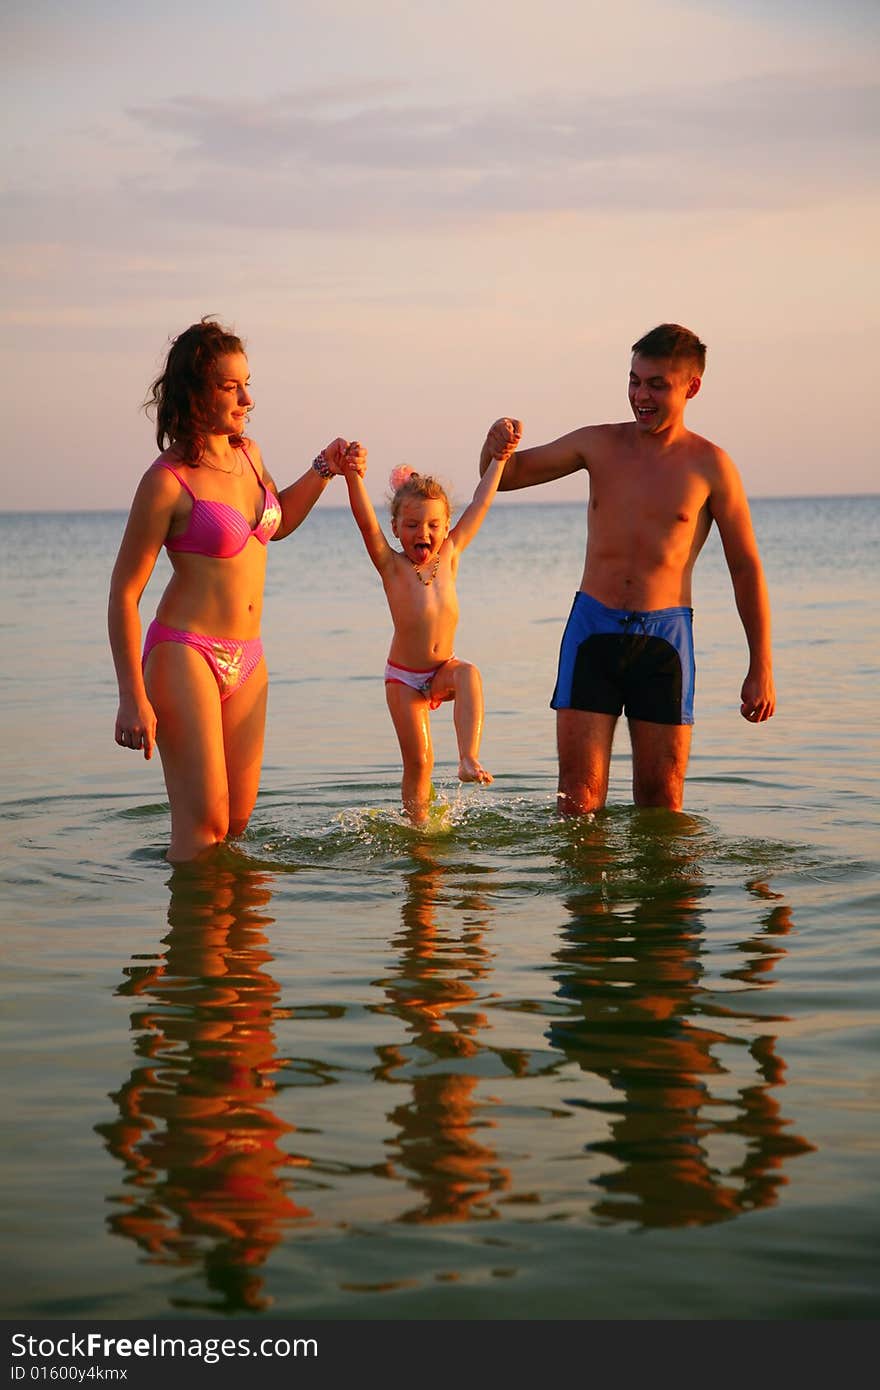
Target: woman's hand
x=334 y=454
x=355 y=459
x=136 y=725
x=343 y=457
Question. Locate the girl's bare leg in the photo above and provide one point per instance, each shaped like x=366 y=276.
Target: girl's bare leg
x=410 y=716
x=460 y=681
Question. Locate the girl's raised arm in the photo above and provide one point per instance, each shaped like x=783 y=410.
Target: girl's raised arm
x=378 y=549
x=474 y=514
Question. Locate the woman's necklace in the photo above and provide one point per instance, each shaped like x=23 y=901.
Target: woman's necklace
x=234 y=470
x=432 y=576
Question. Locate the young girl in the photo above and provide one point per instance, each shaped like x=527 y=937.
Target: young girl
x=419 y=583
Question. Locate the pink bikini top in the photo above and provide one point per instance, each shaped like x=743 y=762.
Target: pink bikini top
x=218 y=530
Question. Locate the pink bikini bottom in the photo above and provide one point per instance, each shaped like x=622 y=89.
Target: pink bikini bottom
x=231 y=659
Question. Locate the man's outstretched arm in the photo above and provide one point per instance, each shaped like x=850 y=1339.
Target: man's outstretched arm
x=542 y=464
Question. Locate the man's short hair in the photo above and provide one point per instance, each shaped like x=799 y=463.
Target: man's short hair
x=678 y=344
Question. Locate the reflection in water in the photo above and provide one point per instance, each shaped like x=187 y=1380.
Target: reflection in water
x=679 y=1079
x=442 y=1127
x=206 y=1180
x=693 y=1138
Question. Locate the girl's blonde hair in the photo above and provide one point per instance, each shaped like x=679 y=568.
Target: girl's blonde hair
x=406 y=482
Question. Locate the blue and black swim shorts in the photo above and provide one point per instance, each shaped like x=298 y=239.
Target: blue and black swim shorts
x=640 y=663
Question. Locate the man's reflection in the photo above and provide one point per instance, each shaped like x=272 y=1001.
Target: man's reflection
x=694 y=1126
x=207 y=1181
x=443 y=1128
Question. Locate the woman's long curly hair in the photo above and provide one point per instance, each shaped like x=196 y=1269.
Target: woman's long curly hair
x=180 y=393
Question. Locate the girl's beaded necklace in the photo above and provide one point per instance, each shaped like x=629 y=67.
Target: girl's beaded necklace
x=432 y=576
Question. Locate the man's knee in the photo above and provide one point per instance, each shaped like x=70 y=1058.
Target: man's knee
x=580 y=797
x=659 y=785
x=660 y=759
x=659 y=794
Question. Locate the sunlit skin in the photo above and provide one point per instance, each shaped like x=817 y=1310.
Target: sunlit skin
x=230 y=399
x=425 y=618
x=658 y=393
x=655 y=490
x=424 y=612
x=211 y=750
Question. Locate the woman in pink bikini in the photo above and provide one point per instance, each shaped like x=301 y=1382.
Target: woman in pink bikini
x=199 y=689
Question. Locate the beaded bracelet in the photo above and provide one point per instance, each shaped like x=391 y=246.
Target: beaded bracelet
x=322 y=467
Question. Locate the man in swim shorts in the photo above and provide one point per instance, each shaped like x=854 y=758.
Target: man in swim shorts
x=655 y=490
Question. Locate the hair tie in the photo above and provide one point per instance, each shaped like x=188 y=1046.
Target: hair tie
x=400 y=475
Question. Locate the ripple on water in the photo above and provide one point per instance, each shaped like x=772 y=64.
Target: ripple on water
x=518 y=836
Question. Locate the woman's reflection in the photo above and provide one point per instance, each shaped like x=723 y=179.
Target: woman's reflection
x=443 y=1127
x=695 y=1130
x=207 y=1181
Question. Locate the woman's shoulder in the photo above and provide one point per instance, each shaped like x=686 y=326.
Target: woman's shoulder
x=164 y=476
x=170 y=461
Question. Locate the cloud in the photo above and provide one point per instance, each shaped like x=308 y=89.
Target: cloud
x=310 y=160
x=560 y=152
x=565 y=131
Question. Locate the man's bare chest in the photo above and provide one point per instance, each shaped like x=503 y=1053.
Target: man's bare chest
x=633 y=497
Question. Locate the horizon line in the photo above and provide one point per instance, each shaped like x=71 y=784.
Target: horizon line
x=500 y=500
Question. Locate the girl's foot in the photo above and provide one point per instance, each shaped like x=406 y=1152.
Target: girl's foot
x=469 y=770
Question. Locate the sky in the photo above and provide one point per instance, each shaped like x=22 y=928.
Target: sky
x=421 y=218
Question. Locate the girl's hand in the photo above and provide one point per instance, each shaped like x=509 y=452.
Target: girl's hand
x=335 y=455
x=136 y=726
x=503 y=438
x=355 y=460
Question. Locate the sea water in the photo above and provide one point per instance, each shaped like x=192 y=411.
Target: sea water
x=498 y=1067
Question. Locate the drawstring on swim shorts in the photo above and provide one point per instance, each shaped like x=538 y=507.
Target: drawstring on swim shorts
x=627 y=621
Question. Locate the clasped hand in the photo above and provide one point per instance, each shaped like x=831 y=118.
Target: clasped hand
x=503 y=437
x=345 y=457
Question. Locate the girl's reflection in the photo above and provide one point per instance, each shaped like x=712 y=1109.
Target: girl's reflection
x=206 y=1179
x=442 y=1125
x=694 y=1136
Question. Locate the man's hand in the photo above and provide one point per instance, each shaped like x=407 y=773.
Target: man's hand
x=758 y=697
x=503 y=438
